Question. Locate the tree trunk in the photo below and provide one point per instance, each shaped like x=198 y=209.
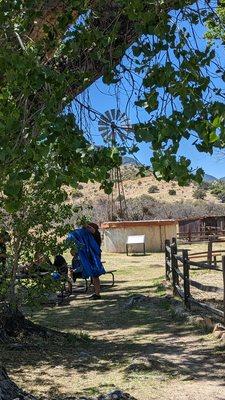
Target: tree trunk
x=11 y=296
x=13 y=322
x=9 y=390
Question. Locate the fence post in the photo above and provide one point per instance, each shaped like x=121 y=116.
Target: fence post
x=189 y=235
x=167 y=259
x=210 y=244
x=223 y=265
x=186 y=278
x=175 y=276
x=174 y=260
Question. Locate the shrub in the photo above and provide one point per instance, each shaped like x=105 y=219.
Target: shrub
x=205 y=185
x=79 y=186
x=77 y=194
x=199 y=193
x=146 y=211
x=147 y=197
x=172 y=192
x=153 y=189
x=218 y=189
x=120 y=197
x=135 y=217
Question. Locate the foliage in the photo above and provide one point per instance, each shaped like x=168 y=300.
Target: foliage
x=48 y=55
x=38 y=227
x=172 y=192
x=77 y=194
x=44 y=64
x=218 y=189
x=199 y=193
x=205 y=185
x=179 y=91
x=120 y=198
x=153 y=189
x=79 y=186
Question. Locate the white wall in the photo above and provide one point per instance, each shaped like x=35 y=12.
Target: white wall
x=155 y=235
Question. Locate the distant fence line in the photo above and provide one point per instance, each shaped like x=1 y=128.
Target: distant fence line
x=193 y=236
x=181 y=281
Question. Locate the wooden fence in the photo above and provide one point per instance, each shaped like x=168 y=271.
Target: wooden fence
x=178 y=266
x=200 y=236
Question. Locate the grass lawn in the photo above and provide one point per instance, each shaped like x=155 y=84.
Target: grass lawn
x=142 y=348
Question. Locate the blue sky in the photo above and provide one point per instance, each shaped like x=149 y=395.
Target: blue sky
x=102 y=97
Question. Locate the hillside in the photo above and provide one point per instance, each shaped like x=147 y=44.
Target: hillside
x=147 y=198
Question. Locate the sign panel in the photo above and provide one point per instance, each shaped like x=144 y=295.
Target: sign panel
x=137 y=239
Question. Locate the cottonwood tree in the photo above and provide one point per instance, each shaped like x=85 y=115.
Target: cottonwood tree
x=50 y=51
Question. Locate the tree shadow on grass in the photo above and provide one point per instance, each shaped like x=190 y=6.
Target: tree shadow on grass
x=167 y=345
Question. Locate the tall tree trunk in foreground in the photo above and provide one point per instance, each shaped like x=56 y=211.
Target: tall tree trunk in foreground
x=9 y=390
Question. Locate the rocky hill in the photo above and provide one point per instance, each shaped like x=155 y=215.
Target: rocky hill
x=147 y=198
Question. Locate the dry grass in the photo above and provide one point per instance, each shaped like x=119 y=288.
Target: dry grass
x=135 y=188
x=143 y=349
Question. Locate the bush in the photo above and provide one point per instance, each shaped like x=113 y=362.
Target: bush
x=205 y=185
x=120 y=197
x=199 y=193
x=77 y=194
x=172 y=192
x=79 y=186
x=153 y=189
x=146 y=211
x=146 y=197
x=218 y=189
x=135 y=217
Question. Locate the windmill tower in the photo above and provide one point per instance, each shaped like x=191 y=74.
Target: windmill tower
x=115 y=127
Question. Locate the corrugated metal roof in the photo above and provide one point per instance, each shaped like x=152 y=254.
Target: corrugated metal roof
x=200 y=218
x=125 y=224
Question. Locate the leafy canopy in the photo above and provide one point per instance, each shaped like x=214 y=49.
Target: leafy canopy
x=49 y=55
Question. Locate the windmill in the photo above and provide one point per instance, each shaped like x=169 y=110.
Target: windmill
x=115 y=129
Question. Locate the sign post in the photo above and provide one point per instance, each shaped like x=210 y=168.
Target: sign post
x=133 y=240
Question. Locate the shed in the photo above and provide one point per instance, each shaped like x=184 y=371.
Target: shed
x=156 y=232
x=203 y=224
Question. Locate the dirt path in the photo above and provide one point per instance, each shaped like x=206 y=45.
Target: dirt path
x=140 y=346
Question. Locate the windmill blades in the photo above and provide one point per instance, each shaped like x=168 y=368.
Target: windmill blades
x=108 y=115
x=107 y=137
x=104 y=129
x=114 y=125
x=103 y=122
x=118 y=112
x=113 y=113
x=123 y=135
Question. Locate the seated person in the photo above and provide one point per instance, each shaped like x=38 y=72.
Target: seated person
x=41 y=263
x=60 y=265
x=77 y=268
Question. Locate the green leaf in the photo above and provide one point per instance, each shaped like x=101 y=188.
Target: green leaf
x=213 y=137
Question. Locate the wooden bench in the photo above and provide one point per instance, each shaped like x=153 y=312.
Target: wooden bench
x=90 y=283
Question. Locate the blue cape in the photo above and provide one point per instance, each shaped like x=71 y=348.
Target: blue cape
x=89 y=252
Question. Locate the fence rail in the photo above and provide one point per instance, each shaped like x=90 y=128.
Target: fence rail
x=182 y=282
x=193 y=236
